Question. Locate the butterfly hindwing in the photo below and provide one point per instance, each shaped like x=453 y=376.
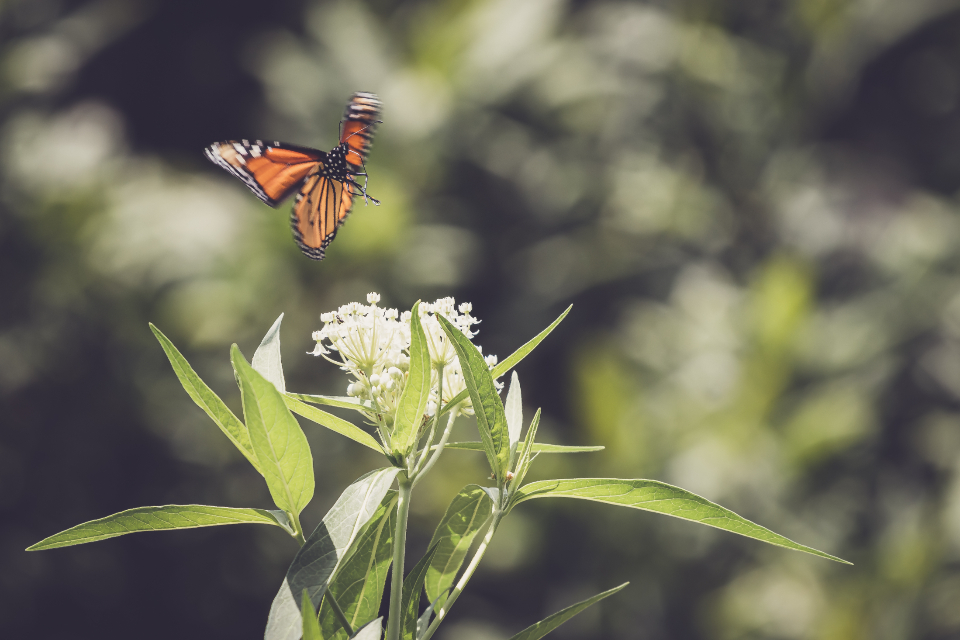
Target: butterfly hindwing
x=321 y=207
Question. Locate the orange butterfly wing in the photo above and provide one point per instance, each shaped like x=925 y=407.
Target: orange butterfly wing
x=360 y=119
x=321 y=207
x=272 y=171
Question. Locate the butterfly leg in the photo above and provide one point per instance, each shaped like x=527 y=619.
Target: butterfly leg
x=362 y=190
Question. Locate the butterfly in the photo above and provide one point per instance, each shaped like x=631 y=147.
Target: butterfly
x=325 y=181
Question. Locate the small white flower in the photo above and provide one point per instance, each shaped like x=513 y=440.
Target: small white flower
x=373 y=346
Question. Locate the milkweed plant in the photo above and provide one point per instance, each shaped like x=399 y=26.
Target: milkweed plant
x=412 y=376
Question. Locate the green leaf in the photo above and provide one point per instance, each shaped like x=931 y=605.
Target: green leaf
x=281 y=447
x=410 y=600
x=523 y=464
x=311 y=628
x=493 y=493
x=513 y=408
x=423 y=623
x=373 y=630
x=542 y=628
x=537 y=447
x=359 y=583
x=491 y=421
x=332 y=422
x=344 y=402
x=465 y=516
x=325 y=550
x=512 y=360
x=207 y=400
x=266 y=359
x=659 y=497
x=171 y=516
x=413 y=400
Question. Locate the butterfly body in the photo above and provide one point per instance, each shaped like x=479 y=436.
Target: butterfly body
x=325 y=181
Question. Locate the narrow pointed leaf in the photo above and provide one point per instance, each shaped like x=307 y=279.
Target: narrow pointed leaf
x=325 y=550
x=207 y=400
x=513 y=359
x=537 y=447
x=359 y=583
x=413 y=400
x=371 y=631
x=344 y=402
x=171 y=516
x=542 y=628
x=332 y=422
x=410 y=600
x=659 y=497
x=423 y=623
x=523 y=465
x=281 y=447
x=465 y=516
x=491 y=421
x=513 y=408
x=311 y=628
x=266 y=359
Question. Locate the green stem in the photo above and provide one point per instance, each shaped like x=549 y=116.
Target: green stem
x=297 y=528
x=457 y=399
x=436 y=421
x=495 y=518
x=338 y=613
x=438 y=450
x=399 y=547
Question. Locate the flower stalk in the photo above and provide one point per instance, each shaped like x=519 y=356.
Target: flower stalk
x=395 y=614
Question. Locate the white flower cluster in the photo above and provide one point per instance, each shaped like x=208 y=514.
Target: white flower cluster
x=373 y=344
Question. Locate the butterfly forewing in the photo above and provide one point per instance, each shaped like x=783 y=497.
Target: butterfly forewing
x=272 y=171
x=359 y=121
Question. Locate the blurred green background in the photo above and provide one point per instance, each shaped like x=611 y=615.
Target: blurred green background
x=751 y=205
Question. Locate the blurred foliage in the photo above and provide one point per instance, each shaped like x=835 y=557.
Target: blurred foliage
x=752 y=206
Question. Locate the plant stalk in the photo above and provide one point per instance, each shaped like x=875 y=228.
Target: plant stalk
x=399 y=548
x=438 y=450
x=467 y=574
x=339 y=614
x=297 y=528
x=436 y=421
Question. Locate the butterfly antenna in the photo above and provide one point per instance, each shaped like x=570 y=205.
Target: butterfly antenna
x=365 y=127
